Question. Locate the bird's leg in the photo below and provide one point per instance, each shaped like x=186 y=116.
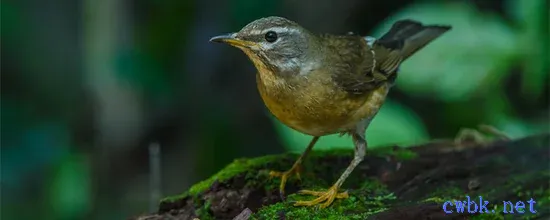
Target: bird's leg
x=328 y=196
x=295 y=170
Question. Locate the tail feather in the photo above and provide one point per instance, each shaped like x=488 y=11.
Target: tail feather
x=409 y=36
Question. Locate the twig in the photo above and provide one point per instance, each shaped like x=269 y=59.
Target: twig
x=245 y=214
x=154 y=176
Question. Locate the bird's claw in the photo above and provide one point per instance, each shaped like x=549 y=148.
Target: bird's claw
x=325 y=197
x=295 y=170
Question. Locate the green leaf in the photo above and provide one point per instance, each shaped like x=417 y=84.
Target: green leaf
x=70 y=189
x=533 y=45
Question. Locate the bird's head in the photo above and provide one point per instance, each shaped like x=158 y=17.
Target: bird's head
x=274 y=43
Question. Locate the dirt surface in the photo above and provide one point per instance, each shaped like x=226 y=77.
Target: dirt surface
x=410 y=183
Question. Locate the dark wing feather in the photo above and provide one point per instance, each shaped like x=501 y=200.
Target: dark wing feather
x=360 y=68
x=409 y=36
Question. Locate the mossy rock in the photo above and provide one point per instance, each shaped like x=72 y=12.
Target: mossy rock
x=391 y=183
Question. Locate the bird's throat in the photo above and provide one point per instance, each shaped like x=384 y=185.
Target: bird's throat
x=268 y=74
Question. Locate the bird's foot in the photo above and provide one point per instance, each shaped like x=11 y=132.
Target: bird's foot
x=325 y=197
x=481 y=135
x=295 y=170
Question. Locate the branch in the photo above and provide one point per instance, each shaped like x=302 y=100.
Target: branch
x=391 y=183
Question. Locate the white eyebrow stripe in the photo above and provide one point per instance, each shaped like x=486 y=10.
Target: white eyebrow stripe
x=278 y=29
x=255 y=32
x=275 y=29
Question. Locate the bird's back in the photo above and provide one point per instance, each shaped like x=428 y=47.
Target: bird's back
x=364 y=63
x=356 y=66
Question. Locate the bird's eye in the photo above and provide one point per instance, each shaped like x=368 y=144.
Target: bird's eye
x=271 y=36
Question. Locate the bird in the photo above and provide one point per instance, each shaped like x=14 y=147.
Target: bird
x=321 y=84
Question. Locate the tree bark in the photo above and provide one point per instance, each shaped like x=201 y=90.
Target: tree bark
x=391 y=183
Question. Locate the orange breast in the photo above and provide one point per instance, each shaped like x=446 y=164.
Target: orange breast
x=316 y=107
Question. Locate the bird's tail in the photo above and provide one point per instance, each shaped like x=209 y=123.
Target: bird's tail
x=410 y=36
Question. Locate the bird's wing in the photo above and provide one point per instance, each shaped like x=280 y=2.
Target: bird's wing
x=361 y=67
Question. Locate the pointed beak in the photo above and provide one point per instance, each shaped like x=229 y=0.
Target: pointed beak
x=232 y=40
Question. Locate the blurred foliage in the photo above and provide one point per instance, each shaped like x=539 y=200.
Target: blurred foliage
x=29 y=146
x=26 y=140
x=254 y=9
x=474 y=55
x=70 y=188
x=144 y=73
x=532 y=44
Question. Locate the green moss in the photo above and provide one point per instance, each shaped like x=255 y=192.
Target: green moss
x=239 y=166
x=367 y=196
x=371 y=198
x=406 y=154
x=542 y=198
x=203 y=211
x=443 y=194
x=174 y=198
x=435 y=199
x=244 y=166
x=540 y=195
x=498 y=215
